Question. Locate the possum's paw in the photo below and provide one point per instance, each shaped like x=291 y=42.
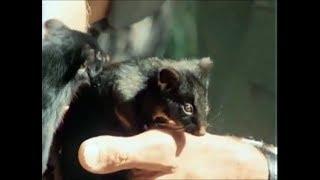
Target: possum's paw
x=82 y=76
x=94 y=60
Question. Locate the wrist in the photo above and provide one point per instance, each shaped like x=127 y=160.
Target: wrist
x=239 y=159
x=270 y=154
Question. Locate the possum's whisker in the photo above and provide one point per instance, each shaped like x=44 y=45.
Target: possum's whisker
x=219 y=114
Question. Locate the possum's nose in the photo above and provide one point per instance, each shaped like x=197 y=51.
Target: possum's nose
x=202 y=131
x=195 y=129
x=201 y=127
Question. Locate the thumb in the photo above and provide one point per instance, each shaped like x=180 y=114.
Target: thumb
x=152 y=150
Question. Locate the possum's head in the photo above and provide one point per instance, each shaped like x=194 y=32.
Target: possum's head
x=178 y=98
x=69 y=55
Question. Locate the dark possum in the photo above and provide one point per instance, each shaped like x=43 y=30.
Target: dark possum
x=130 y=97
x=64 y=51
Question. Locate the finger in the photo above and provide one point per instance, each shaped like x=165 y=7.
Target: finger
x=153 y=150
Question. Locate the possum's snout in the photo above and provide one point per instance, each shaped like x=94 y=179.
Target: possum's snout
x=197 y=130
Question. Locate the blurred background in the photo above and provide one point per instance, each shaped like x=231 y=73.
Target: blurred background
x=239 y=36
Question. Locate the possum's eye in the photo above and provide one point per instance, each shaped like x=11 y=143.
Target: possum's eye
x=187 y=108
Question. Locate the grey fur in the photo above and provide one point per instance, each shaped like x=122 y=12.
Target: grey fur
x=58 y=97
x=63 y=52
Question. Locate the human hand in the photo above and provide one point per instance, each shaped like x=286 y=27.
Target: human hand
x=164 y=155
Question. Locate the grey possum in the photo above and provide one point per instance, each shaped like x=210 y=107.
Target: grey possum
x=129 y=97
x=64 y=52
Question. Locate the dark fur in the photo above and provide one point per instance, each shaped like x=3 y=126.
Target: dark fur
x=144 y=94
x=63 y=52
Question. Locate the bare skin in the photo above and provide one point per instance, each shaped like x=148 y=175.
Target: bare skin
x=161 y=155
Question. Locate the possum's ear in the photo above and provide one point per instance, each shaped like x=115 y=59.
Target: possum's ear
x=168 y=79
x=205 y=65
x=54 y=25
